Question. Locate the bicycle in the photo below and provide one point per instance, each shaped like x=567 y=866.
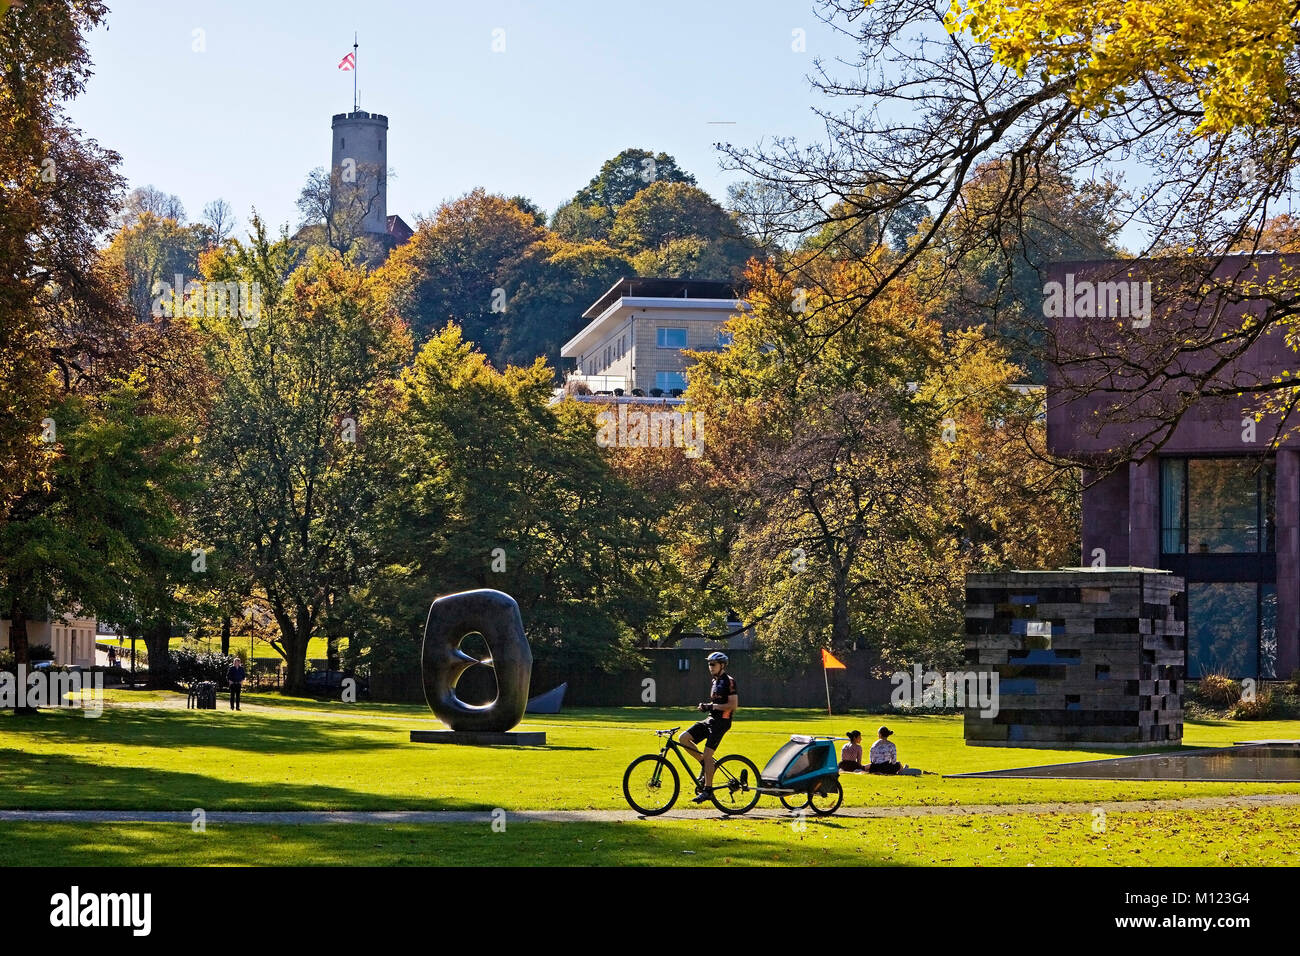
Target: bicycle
x=651 y=784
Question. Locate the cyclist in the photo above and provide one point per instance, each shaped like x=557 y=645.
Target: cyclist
x=722 y=703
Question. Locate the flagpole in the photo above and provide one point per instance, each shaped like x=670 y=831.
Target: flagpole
x=354 y=72
x=827 y=678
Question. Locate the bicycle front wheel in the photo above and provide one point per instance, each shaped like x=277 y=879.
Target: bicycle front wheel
x=650 y=785
x=735 y=784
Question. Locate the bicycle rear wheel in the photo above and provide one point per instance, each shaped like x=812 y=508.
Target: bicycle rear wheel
x=826 y=798
x=650 y=785
x=735 y=784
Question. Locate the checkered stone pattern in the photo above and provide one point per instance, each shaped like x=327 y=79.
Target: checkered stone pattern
x=1084 y=658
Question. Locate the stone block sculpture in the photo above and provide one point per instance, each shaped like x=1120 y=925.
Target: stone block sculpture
x=1086 y=658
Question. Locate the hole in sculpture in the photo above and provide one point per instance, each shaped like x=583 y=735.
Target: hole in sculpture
x=478 y=685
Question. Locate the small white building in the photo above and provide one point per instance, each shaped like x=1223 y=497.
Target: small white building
x=72 y=640
x=636 y=332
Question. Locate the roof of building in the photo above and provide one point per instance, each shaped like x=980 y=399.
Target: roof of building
x=399 y=230
x=664 y=289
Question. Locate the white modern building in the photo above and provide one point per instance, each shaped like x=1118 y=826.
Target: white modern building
x=636 y=332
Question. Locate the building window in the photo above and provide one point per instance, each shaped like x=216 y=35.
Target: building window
x=724 y=339
x=671 y=338
x=1173 y=505
x=1217 y=506
x=670 y=380
x=1231 y=629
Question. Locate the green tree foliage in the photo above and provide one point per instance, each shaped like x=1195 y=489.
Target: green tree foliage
x=295 y=449
x=547 y=289
x=455 y=262
x=631 y=171
x=102 y=535
x=678 y=230
x=501 y=489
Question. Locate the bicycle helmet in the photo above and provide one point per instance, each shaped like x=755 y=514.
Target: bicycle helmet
x=717 y=656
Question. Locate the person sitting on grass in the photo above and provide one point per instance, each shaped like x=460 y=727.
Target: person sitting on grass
x=851 y=754
x=884 y=755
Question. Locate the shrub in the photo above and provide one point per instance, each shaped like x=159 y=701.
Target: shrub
x=189 y=664
x=1219 y=690
x=1295 y=681
x=1264 y=705
x=35 y=654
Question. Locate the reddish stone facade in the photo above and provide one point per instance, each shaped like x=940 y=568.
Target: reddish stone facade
x=1128 y=357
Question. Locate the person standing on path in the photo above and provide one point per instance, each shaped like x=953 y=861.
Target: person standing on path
x=236 y=676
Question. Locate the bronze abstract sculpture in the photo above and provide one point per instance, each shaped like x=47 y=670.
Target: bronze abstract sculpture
x=494 y=615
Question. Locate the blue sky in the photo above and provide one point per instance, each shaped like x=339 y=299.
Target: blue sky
x=248 y=117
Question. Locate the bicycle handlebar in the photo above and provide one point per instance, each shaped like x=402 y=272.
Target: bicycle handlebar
x=667 y=733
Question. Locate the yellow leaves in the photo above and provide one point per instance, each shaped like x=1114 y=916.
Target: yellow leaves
x=1233 y=54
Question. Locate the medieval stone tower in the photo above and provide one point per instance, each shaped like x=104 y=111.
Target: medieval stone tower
x=359 y=157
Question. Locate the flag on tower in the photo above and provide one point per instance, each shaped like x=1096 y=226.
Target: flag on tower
x=348 y=62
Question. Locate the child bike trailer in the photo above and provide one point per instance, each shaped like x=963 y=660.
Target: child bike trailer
x=805 y=773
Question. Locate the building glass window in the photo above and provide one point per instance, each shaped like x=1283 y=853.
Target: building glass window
x=1173 y=501
x=670 y=380
x=1222 y=506
x=671 y=338
x=1222 y=629
x=1268 y=631
x=1217 y=506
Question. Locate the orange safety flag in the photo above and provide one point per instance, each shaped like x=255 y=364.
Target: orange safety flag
x=830 y=663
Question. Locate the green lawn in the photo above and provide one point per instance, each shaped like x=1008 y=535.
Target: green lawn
x=1221 y=837
x=283 y=755
x=360 y=757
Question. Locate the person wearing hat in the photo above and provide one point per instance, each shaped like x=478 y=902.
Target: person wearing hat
x=851 y=754
x=722 y=703
x=884 y=755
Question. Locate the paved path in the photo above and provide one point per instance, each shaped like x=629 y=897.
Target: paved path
x=766 y=810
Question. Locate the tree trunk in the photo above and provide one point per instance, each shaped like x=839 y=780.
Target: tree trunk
x=841 y=631
x=296 y=634
x=157 y=641
x=332 y=653
x=225 y=634
x=18 y=644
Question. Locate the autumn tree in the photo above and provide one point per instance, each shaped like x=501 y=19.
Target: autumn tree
x=503 y=489
x=454 y=265
x=1204 y=110
x=294 y=449
x=676 y=229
